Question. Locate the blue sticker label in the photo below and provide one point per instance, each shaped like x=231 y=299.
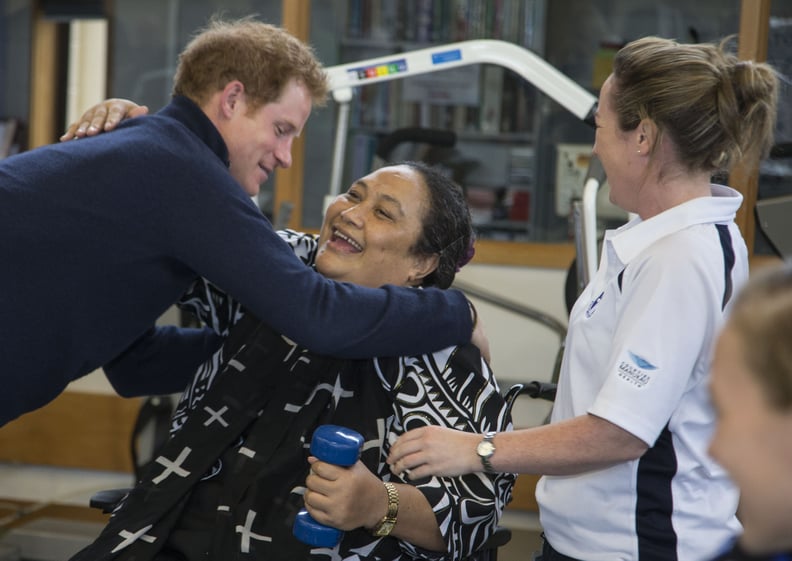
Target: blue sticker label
x=446 y=56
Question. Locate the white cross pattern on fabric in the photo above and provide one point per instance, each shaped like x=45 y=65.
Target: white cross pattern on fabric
x=304 y=359
x=339 y=392
x=173 y=466
x=295 y=347
x=245 y=451
x=236 y=364
x=292 y=347
x=377 y=442
x=132 y=537
x=215 y=416
x=247 y=534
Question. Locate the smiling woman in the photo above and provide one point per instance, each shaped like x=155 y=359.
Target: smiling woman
x=404 y=224
x=370 y=231
x=380 y=231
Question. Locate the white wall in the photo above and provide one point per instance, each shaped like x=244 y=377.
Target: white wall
x=87 y=66
x=522 y=349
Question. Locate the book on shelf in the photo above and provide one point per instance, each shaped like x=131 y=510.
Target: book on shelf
x=491 y=97
x=484 y=99
x=442 y=21
x=779 y=41
x=481 y=202
x=424 y=24
x=487 y=99
x=364 y=147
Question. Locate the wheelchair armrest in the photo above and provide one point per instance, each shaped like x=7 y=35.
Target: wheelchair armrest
x=489 y=550
x=108 y=499
x=535 y=389
x=499 y=538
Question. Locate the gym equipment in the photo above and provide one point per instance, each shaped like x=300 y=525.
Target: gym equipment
x=335 y=445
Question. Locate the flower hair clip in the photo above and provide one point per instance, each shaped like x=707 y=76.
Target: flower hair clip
x=468 y=255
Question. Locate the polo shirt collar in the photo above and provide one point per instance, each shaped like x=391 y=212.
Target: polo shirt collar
x=635 y=236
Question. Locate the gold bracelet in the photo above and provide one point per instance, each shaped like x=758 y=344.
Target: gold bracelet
x=385 y=526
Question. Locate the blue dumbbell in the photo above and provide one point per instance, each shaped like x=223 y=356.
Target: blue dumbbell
x=334 y=445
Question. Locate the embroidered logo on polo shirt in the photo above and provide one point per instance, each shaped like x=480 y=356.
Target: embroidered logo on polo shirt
x=635 y=370
x=641 y=362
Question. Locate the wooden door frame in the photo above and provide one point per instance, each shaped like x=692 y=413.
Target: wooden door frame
x=744 y=176
x=296 y=18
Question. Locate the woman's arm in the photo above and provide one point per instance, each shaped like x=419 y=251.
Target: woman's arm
x=568 y=447
x=452 y=388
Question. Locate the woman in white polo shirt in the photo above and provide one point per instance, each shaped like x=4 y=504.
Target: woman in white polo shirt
x=626 y=470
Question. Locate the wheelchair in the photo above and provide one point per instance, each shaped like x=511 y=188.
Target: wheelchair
x=155 y=414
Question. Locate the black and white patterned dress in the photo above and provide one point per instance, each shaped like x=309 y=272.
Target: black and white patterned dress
x=230 y=480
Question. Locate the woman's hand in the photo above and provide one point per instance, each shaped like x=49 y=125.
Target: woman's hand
x=344 y=497
x=103 y=117
x=436 y=451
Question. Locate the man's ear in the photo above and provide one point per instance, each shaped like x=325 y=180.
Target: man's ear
x=232 y=98
x=423 y=266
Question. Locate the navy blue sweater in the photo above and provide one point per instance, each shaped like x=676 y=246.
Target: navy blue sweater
x=98 y=237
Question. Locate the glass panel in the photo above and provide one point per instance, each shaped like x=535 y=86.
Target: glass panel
x=582 y=47
x=524 y=159
x=492 y=149
x=775 y=173
x=148 y=35
x=15 y=40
